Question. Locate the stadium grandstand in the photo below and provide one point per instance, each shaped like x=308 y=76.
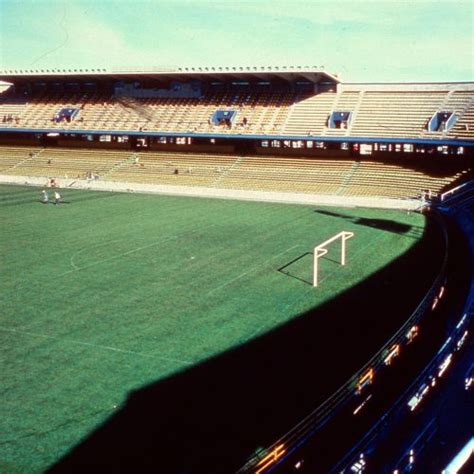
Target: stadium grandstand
x=145 y=329
x=236 y=101
x=288 y=129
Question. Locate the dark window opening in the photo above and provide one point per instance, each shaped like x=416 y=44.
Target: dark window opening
x=441 y=121
x=339 y=119
x=66 y=114
x=224 y=118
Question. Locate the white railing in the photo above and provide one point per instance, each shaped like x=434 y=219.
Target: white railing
x=455 y=190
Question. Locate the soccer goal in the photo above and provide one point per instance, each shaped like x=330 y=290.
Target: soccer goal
x=321 y=250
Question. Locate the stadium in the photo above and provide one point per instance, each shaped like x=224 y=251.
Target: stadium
x=182 y=305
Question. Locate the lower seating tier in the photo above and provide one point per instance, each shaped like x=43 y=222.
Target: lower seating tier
x=335 y=176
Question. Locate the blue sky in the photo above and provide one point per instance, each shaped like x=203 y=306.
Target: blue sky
x=362 y=40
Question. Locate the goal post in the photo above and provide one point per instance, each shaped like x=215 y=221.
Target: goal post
x=321 y=250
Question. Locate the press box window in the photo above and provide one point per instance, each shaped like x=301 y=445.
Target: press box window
x=365 y=149
x=444 y=149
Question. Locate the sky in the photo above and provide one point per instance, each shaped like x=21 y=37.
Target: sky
x=360 y=40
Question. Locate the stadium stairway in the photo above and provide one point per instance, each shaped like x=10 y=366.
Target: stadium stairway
x=65 y=163
x=235 y=165
x=131 y=158
x=308 y=116
x=347 y=179
x=12 y=157
x=397 y=114
x=181 y=169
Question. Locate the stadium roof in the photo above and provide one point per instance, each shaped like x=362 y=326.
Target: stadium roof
x=223 y=73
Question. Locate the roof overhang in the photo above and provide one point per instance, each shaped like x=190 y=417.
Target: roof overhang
x=228 y=73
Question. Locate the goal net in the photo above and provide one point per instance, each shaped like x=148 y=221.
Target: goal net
x=321 y=250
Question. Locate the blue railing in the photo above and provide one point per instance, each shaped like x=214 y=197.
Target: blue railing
x=466 y=142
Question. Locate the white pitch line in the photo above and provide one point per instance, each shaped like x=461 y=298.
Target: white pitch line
x=96 y=346
x=217 y=288
x=120 y=255
x=98 y=262
x=75 y=254
x=129 y=252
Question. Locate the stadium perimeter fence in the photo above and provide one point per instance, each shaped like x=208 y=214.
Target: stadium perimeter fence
x=269 y=458
x=456 y=198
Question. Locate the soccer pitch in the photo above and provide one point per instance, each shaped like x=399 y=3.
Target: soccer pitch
x=106 y=293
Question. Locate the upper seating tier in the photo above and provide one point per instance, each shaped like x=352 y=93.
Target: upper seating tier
x=260 y=110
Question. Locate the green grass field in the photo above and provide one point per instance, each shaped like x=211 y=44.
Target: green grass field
x=106 y=293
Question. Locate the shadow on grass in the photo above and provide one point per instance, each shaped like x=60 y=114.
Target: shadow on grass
x=300 y=268
x=388 y=225
x=382 y=224
x=212 y=417
x=292 y=269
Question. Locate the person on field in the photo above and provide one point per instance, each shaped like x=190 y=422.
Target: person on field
x=57 y=197
x=45 y=198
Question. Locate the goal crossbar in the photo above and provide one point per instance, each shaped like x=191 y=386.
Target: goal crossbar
x=321 y=250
